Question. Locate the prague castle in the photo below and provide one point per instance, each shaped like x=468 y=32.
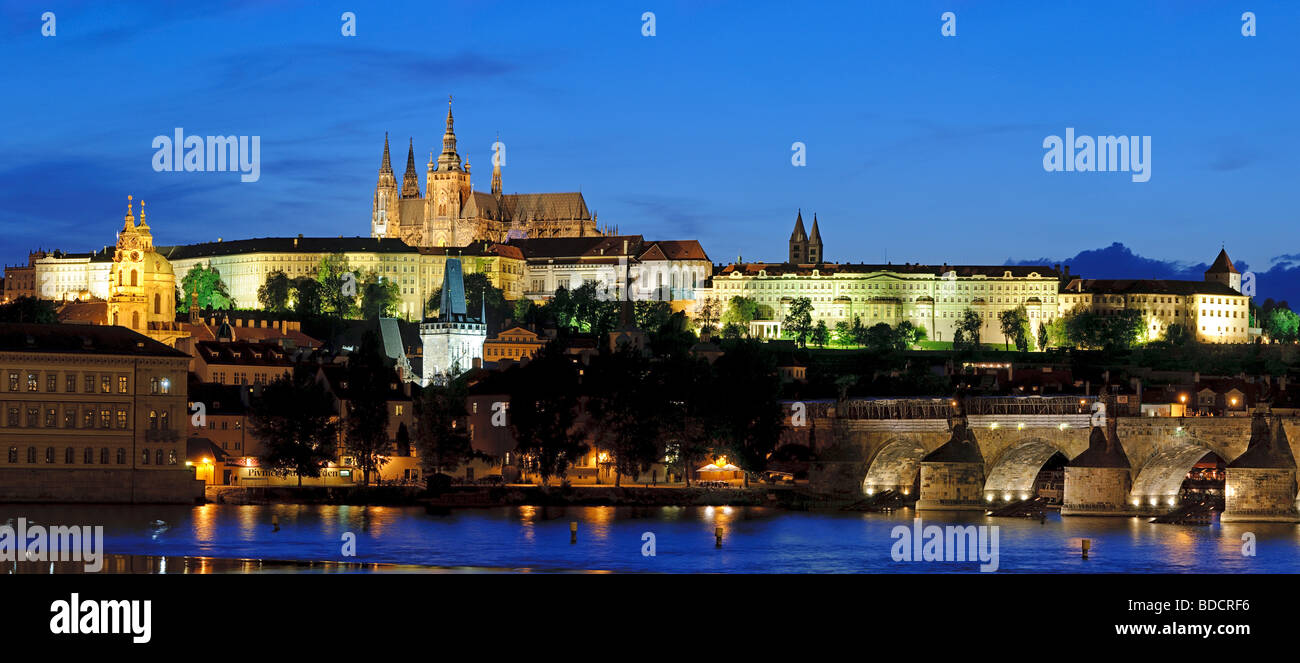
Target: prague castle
x=450 y=213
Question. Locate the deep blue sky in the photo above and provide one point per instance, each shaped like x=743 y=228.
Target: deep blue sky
x=919 y=147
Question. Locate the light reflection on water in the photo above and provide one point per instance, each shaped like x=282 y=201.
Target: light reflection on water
x=536 y=538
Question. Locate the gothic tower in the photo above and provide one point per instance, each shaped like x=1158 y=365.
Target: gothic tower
x=798 y=242
x=448 y=187
x=815 y=254
x=410 y=180
x=383 y=211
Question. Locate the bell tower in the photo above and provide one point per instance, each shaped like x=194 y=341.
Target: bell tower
x=448 y=187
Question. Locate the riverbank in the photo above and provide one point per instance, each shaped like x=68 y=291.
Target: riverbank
x=523 y=495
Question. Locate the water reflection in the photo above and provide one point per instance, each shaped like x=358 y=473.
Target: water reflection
x=241 y=539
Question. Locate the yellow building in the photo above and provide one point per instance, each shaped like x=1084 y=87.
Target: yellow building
x=91 y=414
x=513 y=344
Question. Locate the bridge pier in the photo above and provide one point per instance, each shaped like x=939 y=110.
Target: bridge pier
x=952 y=476
x=1261 y=483
x=1098 y=481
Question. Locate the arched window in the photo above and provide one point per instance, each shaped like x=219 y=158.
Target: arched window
x=89 y=456
x=134 y=278
x=163 y=422
x=157 y=304
x=135 y=320
x=171 y=457
x=159 y=457
x=13 y=454
x=153 y=420
x=116 y=321
x=49 y=454
x=121 y=456
x=144 y=457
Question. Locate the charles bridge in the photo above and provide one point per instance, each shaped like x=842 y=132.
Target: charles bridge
x=866 y=446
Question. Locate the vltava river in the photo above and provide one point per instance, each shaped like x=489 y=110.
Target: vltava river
x=613 y=539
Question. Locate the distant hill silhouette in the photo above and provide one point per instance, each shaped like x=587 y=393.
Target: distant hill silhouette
x=1280 y=282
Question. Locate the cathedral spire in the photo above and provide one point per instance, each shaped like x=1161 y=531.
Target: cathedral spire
x=386 y=166
x=449 y=160
x=496 y=169
x=410 y=181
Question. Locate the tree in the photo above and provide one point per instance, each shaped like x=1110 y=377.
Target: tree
x=379 y=296
x=1282 y=324
x=544 y=409
x=1177 y=336
x=212 y=291
x=1015 y=328
x=843 y=333
x=798 y=322
x=746 y=417
x=295 y=420
x=626 y=404
x=29 y=309
x=1117 y=330
x=908 y=335
x=306 y=296
x=821 y=335
x=858 y=331
x=966 y=334
x=479 y=289
x=273 y=295
x=369 y=379
x=651 y=315
x=1042 y=336
x=338 y=286
x=740 y=312
x=709 y=312
x=441 y=430
x=880 y=338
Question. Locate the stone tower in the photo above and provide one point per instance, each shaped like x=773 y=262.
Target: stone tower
x=1261 y=482
x=798 y=242
x=447 y=188
x=1223 y=272
x=453 y=340
x=815 y=254
x=952 y=476
x=384 y=208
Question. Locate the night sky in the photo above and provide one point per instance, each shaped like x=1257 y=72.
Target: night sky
x=920 y=148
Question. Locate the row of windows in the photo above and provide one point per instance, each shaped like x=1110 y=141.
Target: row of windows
x=91 y=417
x=91 y=383
x=158 y=457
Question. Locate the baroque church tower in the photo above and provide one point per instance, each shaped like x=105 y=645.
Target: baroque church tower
x=142 y=285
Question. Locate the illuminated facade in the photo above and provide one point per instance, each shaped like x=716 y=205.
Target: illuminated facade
x=450 y=213
x=1214 y=310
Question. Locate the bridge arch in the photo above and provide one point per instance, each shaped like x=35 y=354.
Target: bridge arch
x=897 y=466
x=1012 y=476
x=1161 y=478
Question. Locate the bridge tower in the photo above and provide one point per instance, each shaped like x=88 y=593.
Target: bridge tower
x=1261 y=482
x=1098 y=481
x=952 y=476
